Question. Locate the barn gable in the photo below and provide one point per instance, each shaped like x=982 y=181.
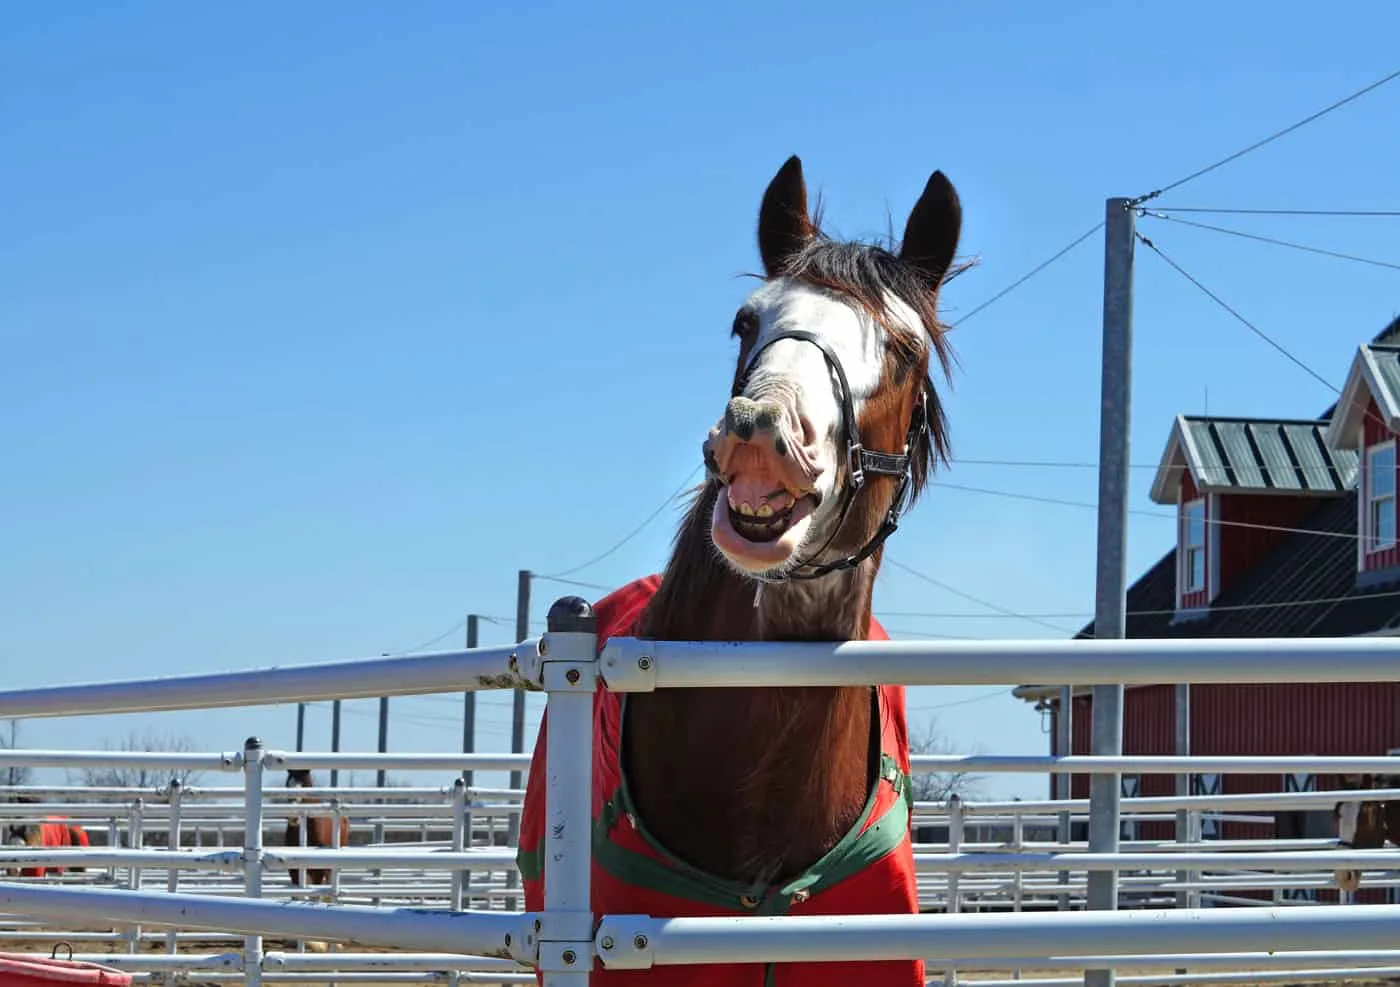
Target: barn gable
x=1238 y=484
x=1365 y=423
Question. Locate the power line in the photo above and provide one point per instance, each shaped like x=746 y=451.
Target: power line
x=929 y=707
x=576 y=582
x=1270 y=139
x=671 y=498
x=1031 y=273
x=1283 y=212
x=1159 y=515
x=1160 y=612
x=447 y=633
x=1247 y=324
x=1268 y=239
x=928 y=636
x=1090 y=464
x=972 y=599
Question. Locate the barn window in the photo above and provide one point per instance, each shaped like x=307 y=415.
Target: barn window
x=1193 y=546
x=1380 y=496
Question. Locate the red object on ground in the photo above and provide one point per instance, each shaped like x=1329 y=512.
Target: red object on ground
x=871 y=872
x=22 y=970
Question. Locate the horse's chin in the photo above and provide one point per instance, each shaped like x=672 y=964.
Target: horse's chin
x=754 y=551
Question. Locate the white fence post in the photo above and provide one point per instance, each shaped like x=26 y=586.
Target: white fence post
x=460 y=841
x=252 y=851
x=1018 y=835
x=172 y=843
x=569 y=670
x=136 y=839
x=955 y=839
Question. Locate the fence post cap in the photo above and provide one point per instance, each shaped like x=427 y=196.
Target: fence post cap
x=571 y=614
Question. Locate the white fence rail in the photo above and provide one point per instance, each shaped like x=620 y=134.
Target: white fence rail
x=561 y=939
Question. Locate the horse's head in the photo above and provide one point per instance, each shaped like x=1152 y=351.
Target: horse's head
x=833 y=424
x=1363 y=825
x=299 y=778
x=21 y=834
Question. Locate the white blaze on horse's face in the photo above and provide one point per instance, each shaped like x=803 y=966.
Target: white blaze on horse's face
x=1347 y=817
x=783 y=491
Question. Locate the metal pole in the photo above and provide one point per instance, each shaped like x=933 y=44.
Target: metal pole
x=1110 y=590
x=301 y=727
x=517 y=723
x=469 y=705
x=566 y=922
x=172 y=843
x=1064 y=783
x=461 y=839
x=335 y=740
x=522 y=631
x=1183 y=781
x=252 y=851
x=381 y=777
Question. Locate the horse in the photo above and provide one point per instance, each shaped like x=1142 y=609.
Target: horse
x=50 y=832
x=793 y=800
x=320 y=831
x=1365 y=825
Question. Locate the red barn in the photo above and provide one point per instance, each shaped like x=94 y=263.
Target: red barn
x=1286 y=528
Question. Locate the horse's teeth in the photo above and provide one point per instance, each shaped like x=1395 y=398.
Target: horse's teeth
x=746 y=509
x=765 y=510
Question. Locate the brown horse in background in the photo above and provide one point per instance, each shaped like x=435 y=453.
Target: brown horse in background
x=1365 y=825
x=52 y=832
x=320 y=832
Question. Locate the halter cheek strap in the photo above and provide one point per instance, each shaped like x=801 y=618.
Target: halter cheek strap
x=859 y=462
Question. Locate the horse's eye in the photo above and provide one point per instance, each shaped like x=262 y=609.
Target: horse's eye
x=745 y=323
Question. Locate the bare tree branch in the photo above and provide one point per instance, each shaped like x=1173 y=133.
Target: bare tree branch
x=13 y=775
x=937 y=787
x=142 y=776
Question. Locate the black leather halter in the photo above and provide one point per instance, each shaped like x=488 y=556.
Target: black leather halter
x=859 y=461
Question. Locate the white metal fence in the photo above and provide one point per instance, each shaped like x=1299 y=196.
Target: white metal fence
x=159 y=871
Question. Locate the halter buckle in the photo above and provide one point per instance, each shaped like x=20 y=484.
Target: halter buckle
x=854 y=458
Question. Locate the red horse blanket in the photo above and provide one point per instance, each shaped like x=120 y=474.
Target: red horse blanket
x=871 y=871
x=55 y=831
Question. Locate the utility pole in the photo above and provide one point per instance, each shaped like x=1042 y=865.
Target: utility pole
x=522 y=631
x=335 y=739
x=381 y=777
x=1110 y=590
x=469 y=705
x=517 y=723
x=301 y=727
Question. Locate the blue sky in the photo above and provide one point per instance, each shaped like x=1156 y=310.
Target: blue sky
x=320 y=321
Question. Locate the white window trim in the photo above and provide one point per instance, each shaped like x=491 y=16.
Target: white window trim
x=1367 y=547
x=1183 y=583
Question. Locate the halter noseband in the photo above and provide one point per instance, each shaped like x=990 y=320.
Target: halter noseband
x=859 y=460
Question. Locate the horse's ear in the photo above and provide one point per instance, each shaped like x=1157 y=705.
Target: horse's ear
x=784 y=227
x=931 y=234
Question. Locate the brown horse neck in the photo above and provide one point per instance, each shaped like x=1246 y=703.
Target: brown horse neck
x=752 y=785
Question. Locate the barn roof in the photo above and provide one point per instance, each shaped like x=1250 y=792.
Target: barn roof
x=1253 y=455
x=1306 y=587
